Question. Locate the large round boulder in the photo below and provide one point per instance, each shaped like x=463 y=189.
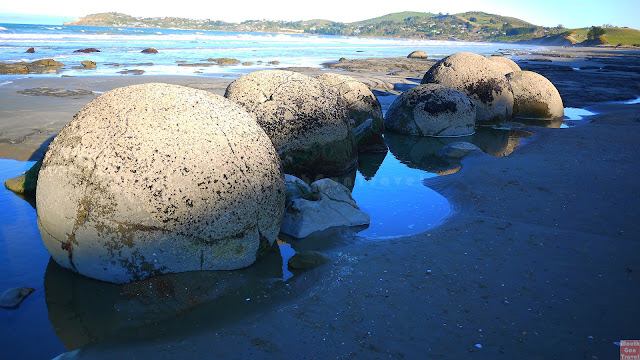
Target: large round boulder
x=365 y=111
x=307 y=121
x=418 y=54
x=475 y=75
x=505 y=64
x=535 y=96
x=155 y=178
x=432 y=110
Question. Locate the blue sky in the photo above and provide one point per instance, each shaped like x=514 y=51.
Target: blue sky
x=571 y=13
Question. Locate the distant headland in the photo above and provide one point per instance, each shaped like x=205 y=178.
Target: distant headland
x=467 y=26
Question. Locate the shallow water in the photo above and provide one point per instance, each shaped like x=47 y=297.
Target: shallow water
x=68 y=311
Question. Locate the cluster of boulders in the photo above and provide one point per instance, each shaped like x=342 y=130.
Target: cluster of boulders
x=465 y=89
x=155 y=178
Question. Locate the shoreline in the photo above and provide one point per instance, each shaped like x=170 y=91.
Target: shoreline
x=537 y=258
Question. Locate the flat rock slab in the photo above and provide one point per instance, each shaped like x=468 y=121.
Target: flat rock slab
x=59 y=92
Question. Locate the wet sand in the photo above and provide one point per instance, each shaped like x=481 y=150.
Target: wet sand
x=538 y=260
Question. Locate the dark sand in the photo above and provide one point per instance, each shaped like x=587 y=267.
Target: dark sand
x=540 y=258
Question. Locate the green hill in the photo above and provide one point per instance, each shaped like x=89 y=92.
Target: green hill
x=467 y=26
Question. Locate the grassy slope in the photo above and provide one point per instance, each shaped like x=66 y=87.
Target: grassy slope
x=395 y=17
x=614 y=36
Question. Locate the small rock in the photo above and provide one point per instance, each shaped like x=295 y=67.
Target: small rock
x=88 y=64
x=30 y=51
x=149 y=51
x=133 y=71
x=296 y=188
x=274 y=62
x=87 y=50
x=305 y=260
x=418 y=54
x=12 y=298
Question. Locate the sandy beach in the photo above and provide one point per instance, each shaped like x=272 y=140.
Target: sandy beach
x=539 y=258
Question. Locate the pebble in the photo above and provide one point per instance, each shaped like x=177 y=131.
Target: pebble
x=12 y=298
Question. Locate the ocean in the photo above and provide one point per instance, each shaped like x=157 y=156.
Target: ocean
x=124 y=45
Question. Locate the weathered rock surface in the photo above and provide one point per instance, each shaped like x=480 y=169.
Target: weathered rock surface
x=478 y=77
x=38 y=67
x=535 y=96
x=365 y=111
x=432 y=110
x=418 y=54
x=306 y=120
x=296 y=188
x=505 y=64
x=307 y=259
x=12 y=298
x=156 y=178
x=332 y=206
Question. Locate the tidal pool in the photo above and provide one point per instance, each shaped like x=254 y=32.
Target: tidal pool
x=68 y=311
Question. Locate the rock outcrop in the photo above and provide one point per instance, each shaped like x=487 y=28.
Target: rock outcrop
x=155 y=178
x=329 y=205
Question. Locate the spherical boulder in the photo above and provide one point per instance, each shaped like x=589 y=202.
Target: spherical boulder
x=432 y=110
x=535 y=96
x=365 y=111
x=418 y=54
x=505 y=64
x=155 y=178
x=476 y=76
x=307 y=121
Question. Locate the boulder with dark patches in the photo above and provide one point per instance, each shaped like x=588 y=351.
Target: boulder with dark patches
x=156 y=178
x=479 y=78
x=535 y=97
x=363 y=107
x=307 y=121
x=432 y=110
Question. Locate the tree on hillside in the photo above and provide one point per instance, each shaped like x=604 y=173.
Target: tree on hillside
x=595 y=32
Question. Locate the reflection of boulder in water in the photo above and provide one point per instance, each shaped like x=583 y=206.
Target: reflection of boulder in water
x=421 y=152
x=554 y=124
x=368 y=164
x=498 y=142
x=83 y=310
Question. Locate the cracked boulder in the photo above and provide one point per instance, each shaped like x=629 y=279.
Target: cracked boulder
x=535 y=97
x=432 y=110
x=307 y=121
x=481 y=79
x=329 y=205
x=155 y=178
x=365 y=111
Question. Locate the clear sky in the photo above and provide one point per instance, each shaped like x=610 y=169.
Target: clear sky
x=570 y=13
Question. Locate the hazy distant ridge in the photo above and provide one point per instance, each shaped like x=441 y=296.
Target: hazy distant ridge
x=468 y=26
